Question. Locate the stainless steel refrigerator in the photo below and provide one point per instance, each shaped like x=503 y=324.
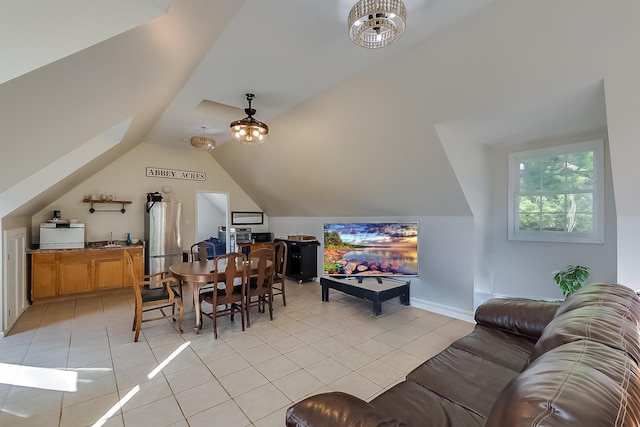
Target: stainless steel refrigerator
x=163 y=236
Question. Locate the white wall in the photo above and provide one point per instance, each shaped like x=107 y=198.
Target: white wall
x=628 y=251
x=623 y=109
x=471 y=164
x=445 y=256
x=211 y=214
x=524 y=268
x=126 y=178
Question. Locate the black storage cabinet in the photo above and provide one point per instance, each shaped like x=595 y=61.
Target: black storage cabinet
x=302 y=259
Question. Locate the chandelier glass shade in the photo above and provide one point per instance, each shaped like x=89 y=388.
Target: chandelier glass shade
x=377 y=23
x=249 y=130
x=203 y=141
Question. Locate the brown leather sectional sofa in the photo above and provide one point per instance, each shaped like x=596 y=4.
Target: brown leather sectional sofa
x=527 y=363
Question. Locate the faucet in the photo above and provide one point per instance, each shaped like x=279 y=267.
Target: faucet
x=110 y=242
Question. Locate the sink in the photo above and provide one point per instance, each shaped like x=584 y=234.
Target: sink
x=105 y=244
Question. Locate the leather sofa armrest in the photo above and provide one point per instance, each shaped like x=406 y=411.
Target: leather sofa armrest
x=520 y=316
x=337 y=409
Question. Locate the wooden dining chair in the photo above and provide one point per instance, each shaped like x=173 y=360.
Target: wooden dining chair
x=153 y=292
x=228 y=293
x=260 y=288
x=197 y=249
x=280 y=270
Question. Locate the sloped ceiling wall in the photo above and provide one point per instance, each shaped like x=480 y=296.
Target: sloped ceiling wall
x=55 y=109
x=367 y=146
x=511 y=73
x=64 y=27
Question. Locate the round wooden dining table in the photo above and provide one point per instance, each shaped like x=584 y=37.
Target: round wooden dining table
x=199 y=273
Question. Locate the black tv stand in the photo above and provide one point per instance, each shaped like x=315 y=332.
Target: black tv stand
x=379 y=279
x=361 y=278
x=385 y=289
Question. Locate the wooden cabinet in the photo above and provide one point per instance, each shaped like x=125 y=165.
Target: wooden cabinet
x=108 y=270
x=61 y=273
x=44 y=272
x=74 y=273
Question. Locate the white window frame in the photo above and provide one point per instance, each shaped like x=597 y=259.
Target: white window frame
x=597 y=236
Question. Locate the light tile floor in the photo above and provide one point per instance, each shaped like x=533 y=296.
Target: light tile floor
x=241 y=379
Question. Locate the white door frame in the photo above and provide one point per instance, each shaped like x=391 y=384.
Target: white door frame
x=227 y=213
x=16 y=296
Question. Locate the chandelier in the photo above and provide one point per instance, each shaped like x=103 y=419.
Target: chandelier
x=203 y=141
x=377 y=23
x=249 y=130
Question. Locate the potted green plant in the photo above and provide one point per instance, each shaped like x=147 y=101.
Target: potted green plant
x=571 y=278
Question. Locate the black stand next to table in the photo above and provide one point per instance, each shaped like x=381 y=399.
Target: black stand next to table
x=382 y=289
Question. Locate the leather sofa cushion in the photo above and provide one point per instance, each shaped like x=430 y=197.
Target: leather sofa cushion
x=594 y=323
x=601 y=312
x=517 y=315
x=337 y=408
x=497 y=346
x=581 y=383
x=619 y=298
x=463 y=378
x=415 y=405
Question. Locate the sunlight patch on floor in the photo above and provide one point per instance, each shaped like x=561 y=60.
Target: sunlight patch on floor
x=120 y=404
x=43 y=378
x=115 y=408
x=168 y=359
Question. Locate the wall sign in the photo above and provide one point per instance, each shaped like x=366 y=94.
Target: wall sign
x=176 y=174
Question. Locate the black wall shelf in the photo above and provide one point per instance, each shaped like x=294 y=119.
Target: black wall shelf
x=113 y=202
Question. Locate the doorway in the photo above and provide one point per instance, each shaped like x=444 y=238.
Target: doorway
x=14 y=300
x=212 y=215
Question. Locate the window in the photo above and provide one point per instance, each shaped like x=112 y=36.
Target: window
x=556 y=194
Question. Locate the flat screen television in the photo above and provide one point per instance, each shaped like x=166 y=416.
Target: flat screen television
x=371 y=249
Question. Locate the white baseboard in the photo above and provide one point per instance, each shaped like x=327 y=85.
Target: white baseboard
x=443 y=309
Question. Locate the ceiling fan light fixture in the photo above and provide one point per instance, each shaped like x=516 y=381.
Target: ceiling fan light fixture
x=203 y=142
x=377 y=23
x=249 y=130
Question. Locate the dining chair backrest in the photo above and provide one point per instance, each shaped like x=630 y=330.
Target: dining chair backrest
x=158 y=298
x=280 y=267
x=280 y=270
x=264 y=274
x=200 y=251
x=138 y=282
x=260 y=285
x=229 y=288
x=235 y=274
x=130 y=270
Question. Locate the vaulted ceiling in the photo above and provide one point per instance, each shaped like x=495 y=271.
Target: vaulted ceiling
x=354 y=132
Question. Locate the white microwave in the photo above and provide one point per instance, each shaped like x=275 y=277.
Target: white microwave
x=61 y=236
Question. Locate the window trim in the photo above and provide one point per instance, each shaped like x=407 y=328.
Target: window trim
x=597 y=236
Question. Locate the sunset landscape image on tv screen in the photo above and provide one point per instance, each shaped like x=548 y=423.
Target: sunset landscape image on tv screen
x=371 y=249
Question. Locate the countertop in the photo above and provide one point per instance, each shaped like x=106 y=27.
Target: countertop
x=91 y=246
